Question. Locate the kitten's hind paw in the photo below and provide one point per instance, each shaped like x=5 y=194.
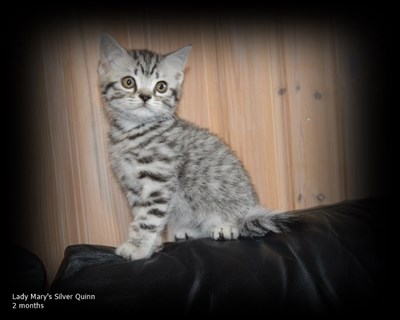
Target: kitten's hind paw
x=130 y=252
x=225 y=233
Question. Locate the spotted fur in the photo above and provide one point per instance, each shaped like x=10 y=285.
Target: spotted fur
x=171 y=171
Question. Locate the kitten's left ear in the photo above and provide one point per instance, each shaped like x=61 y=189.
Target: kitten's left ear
x=110 y=53
x=177 y=59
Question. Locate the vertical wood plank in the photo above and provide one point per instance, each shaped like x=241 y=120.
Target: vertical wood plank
x=317 y=163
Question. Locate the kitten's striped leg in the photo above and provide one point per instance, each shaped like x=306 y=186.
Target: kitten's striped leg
x=145 y=230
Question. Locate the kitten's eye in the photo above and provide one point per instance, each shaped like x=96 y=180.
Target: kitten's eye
x=128 y=82
x=161 y=86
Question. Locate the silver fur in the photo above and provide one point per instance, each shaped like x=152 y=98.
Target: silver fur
x=172 y=172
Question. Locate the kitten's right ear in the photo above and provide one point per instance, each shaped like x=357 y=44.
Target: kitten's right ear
x=110 y=51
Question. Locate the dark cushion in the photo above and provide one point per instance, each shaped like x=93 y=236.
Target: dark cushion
x=328 y=264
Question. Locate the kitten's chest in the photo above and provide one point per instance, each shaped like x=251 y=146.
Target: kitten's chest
x=131 y=161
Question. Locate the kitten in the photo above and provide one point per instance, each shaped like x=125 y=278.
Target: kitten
x=171 y=171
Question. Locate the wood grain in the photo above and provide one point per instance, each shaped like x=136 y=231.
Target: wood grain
x=278 y=93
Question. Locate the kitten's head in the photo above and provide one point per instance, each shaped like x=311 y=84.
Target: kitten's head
x=140 y=86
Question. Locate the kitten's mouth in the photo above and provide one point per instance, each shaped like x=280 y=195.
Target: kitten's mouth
x=143 y=105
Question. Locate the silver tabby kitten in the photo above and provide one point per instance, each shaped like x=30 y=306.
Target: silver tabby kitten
x=171 y=171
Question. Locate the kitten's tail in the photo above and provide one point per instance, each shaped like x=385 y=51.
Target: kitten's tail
x=260 y=221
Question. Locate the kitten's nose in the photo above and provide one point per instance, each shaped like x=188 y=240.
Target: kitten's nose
x=144 y=97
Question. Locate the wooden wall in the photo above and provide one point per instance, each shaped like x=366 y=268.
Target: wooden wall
x=283 y=94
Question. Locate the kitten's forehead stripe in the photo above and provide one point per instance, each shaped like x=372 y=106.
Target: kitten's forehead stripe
x=152 y=70
x=146 y=60
x=147 y=56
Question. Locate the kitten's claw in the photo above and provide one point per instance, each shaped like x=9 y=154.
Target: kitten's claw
x=185 y=234
x=130 y=252
x=225 y=233
x=181 y=235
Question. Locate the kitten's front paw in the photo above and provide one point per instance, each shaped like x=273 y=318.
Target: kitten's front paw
x=130 y=252
x=225 y=233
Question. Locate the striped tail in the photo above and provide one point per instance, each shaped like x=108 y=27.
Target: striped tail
x=260 y=221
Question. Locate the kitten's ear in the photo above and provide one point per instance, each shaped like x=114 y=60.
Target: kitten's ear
x=110 y=51
x=177 y=59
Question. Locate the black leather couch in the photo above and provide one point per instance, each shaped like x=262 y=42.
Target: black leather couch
x=331 y=263
x=26 y=272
